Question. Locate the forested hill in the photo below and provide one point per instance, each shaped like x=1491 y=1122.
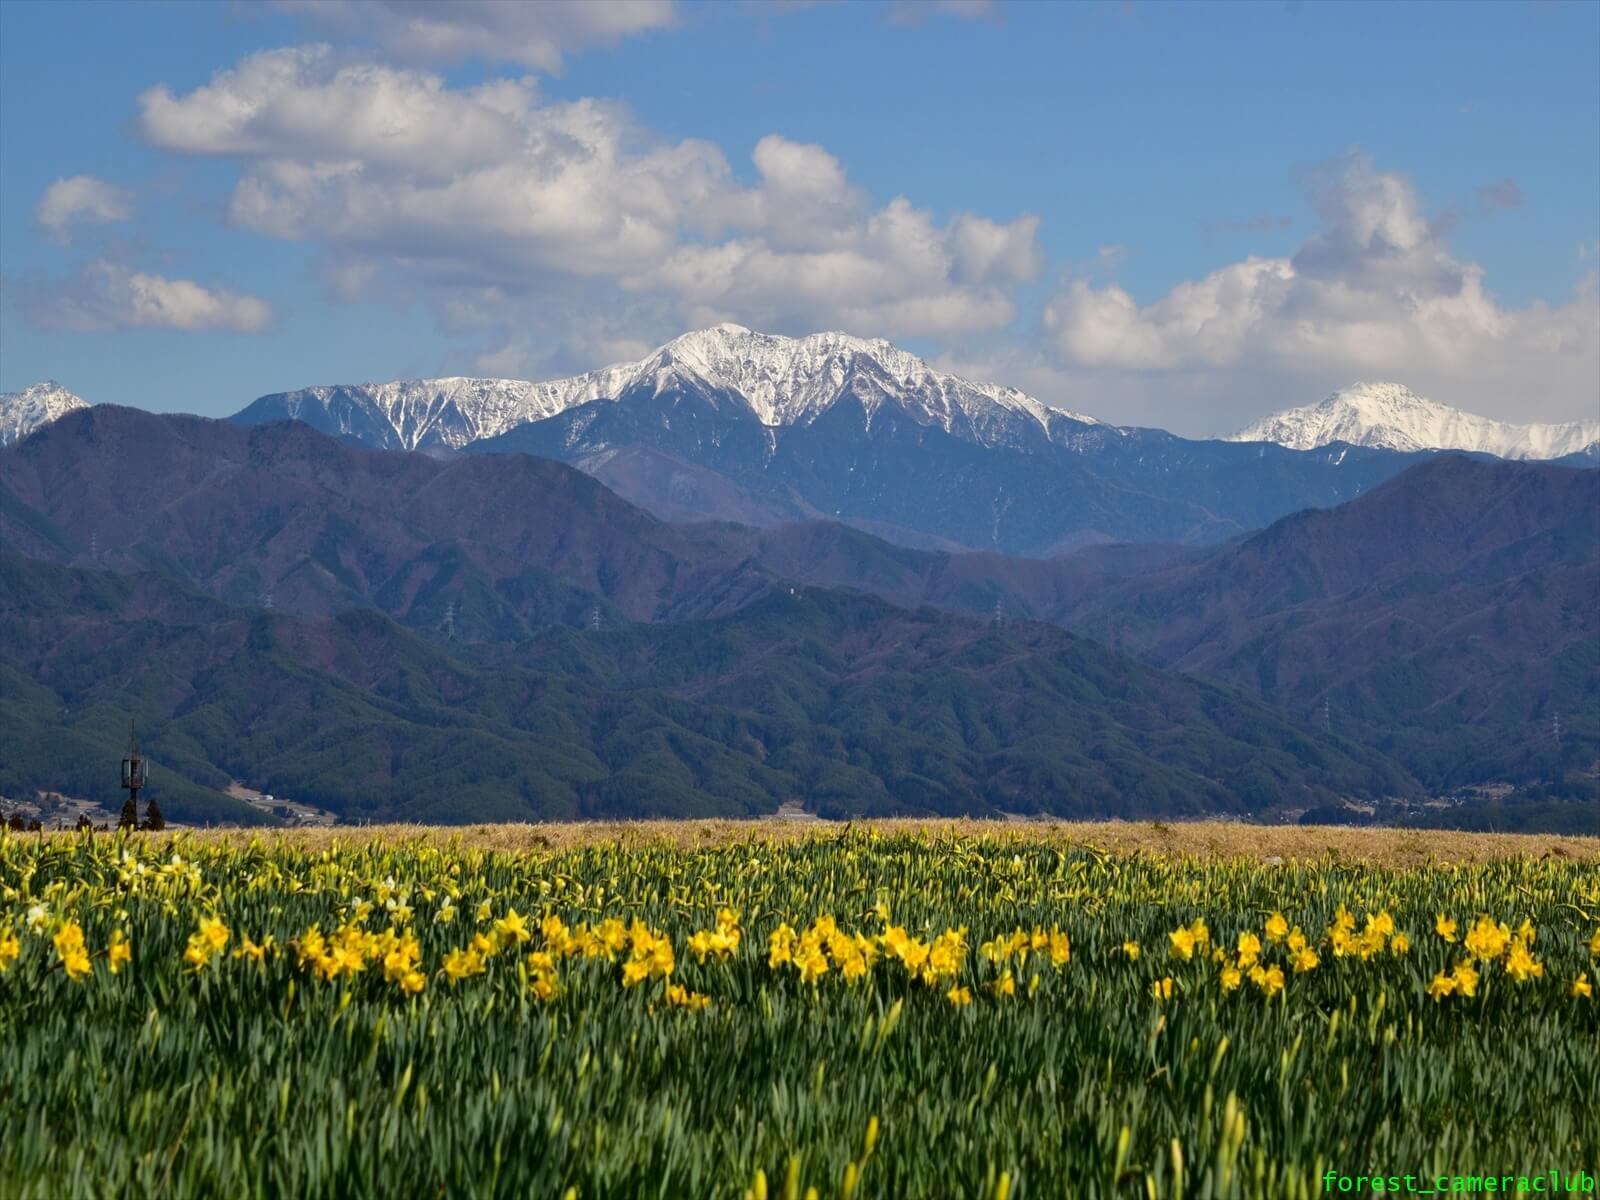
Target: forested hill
x=835 y=699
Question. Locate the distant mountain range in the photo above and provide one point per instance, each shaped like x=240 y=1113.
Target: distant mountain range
x=778 y=381
x=1446 y=618
x=1393 y=417
x=728 y=424
x=809 y=569
x=33 y=408
x=320 y=526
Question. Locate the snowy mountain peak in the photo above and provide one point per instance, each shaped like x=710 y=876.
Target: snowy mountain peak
x=1393 y=417
x=783 y=381
x=34 y=406
x=787 y=380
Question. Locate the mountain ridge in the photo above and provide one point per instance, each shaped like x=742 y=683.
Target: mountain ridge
x=34 y=407
x=730 y=424
x=1445 y=616
x=835 y=697
x=783 y=381
x=1392 y=416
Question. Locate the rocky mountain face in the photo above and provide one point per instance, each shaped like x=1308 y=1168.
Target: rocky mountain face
x=730 y=424
x=1043 y=490
x=776 y=381
x=1393 y=417
x=33 y=408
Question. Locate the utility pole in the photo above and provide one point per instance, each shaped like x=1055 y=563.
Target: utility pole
x=135 y=773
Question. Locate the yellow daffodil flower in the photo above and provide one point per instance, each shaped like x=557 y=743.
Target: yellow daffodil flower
x=119 y=951
x=10 y=948
x=1183 y=943
x=1249 y=949
x=1521 y=965
x=1270 y=979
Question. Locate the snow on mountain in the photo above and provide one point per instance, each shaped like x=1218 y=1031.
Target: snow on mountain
x=39 y=404
x=1391 y=416
x=783 y=381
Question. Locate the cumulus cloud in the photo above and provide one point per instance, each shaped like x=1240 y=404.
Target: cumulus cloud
x=106 y=295
x=451 y=31
x=303 y=105
x=490 y=188
x=80 y=198
x=1375 y=292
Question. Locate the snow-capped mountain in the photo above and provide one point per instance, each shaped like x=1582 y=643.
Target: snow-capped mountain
x=731 y=425
x=1393 y=417
x=781 y=381
x=39 y=404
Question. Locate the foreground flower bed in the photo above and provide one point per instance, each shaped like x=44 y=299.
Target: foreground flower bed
x=863 y=1016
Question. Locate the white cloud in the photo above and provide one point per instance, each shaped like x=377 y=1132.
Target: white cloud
x=107 y=295
x=1375 y=292
x=450 y=31
x=330 y=113
x=988 y=251
x=81 y=198
x=488 y=188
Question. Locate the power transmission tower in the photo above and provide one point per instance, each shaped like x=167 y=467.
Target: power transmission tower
x=1555 y=727
x=594 y=619
x=94 y=546
x=450 y=621
x=266 y=600
x=1327 y=716
x=999 y=612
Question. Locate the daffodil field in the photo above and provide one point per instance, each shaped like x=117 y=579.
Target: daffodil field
x=854 y=1015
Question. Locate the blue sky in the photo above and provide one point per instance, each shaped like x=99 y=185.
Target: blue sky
x=1183 y=215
